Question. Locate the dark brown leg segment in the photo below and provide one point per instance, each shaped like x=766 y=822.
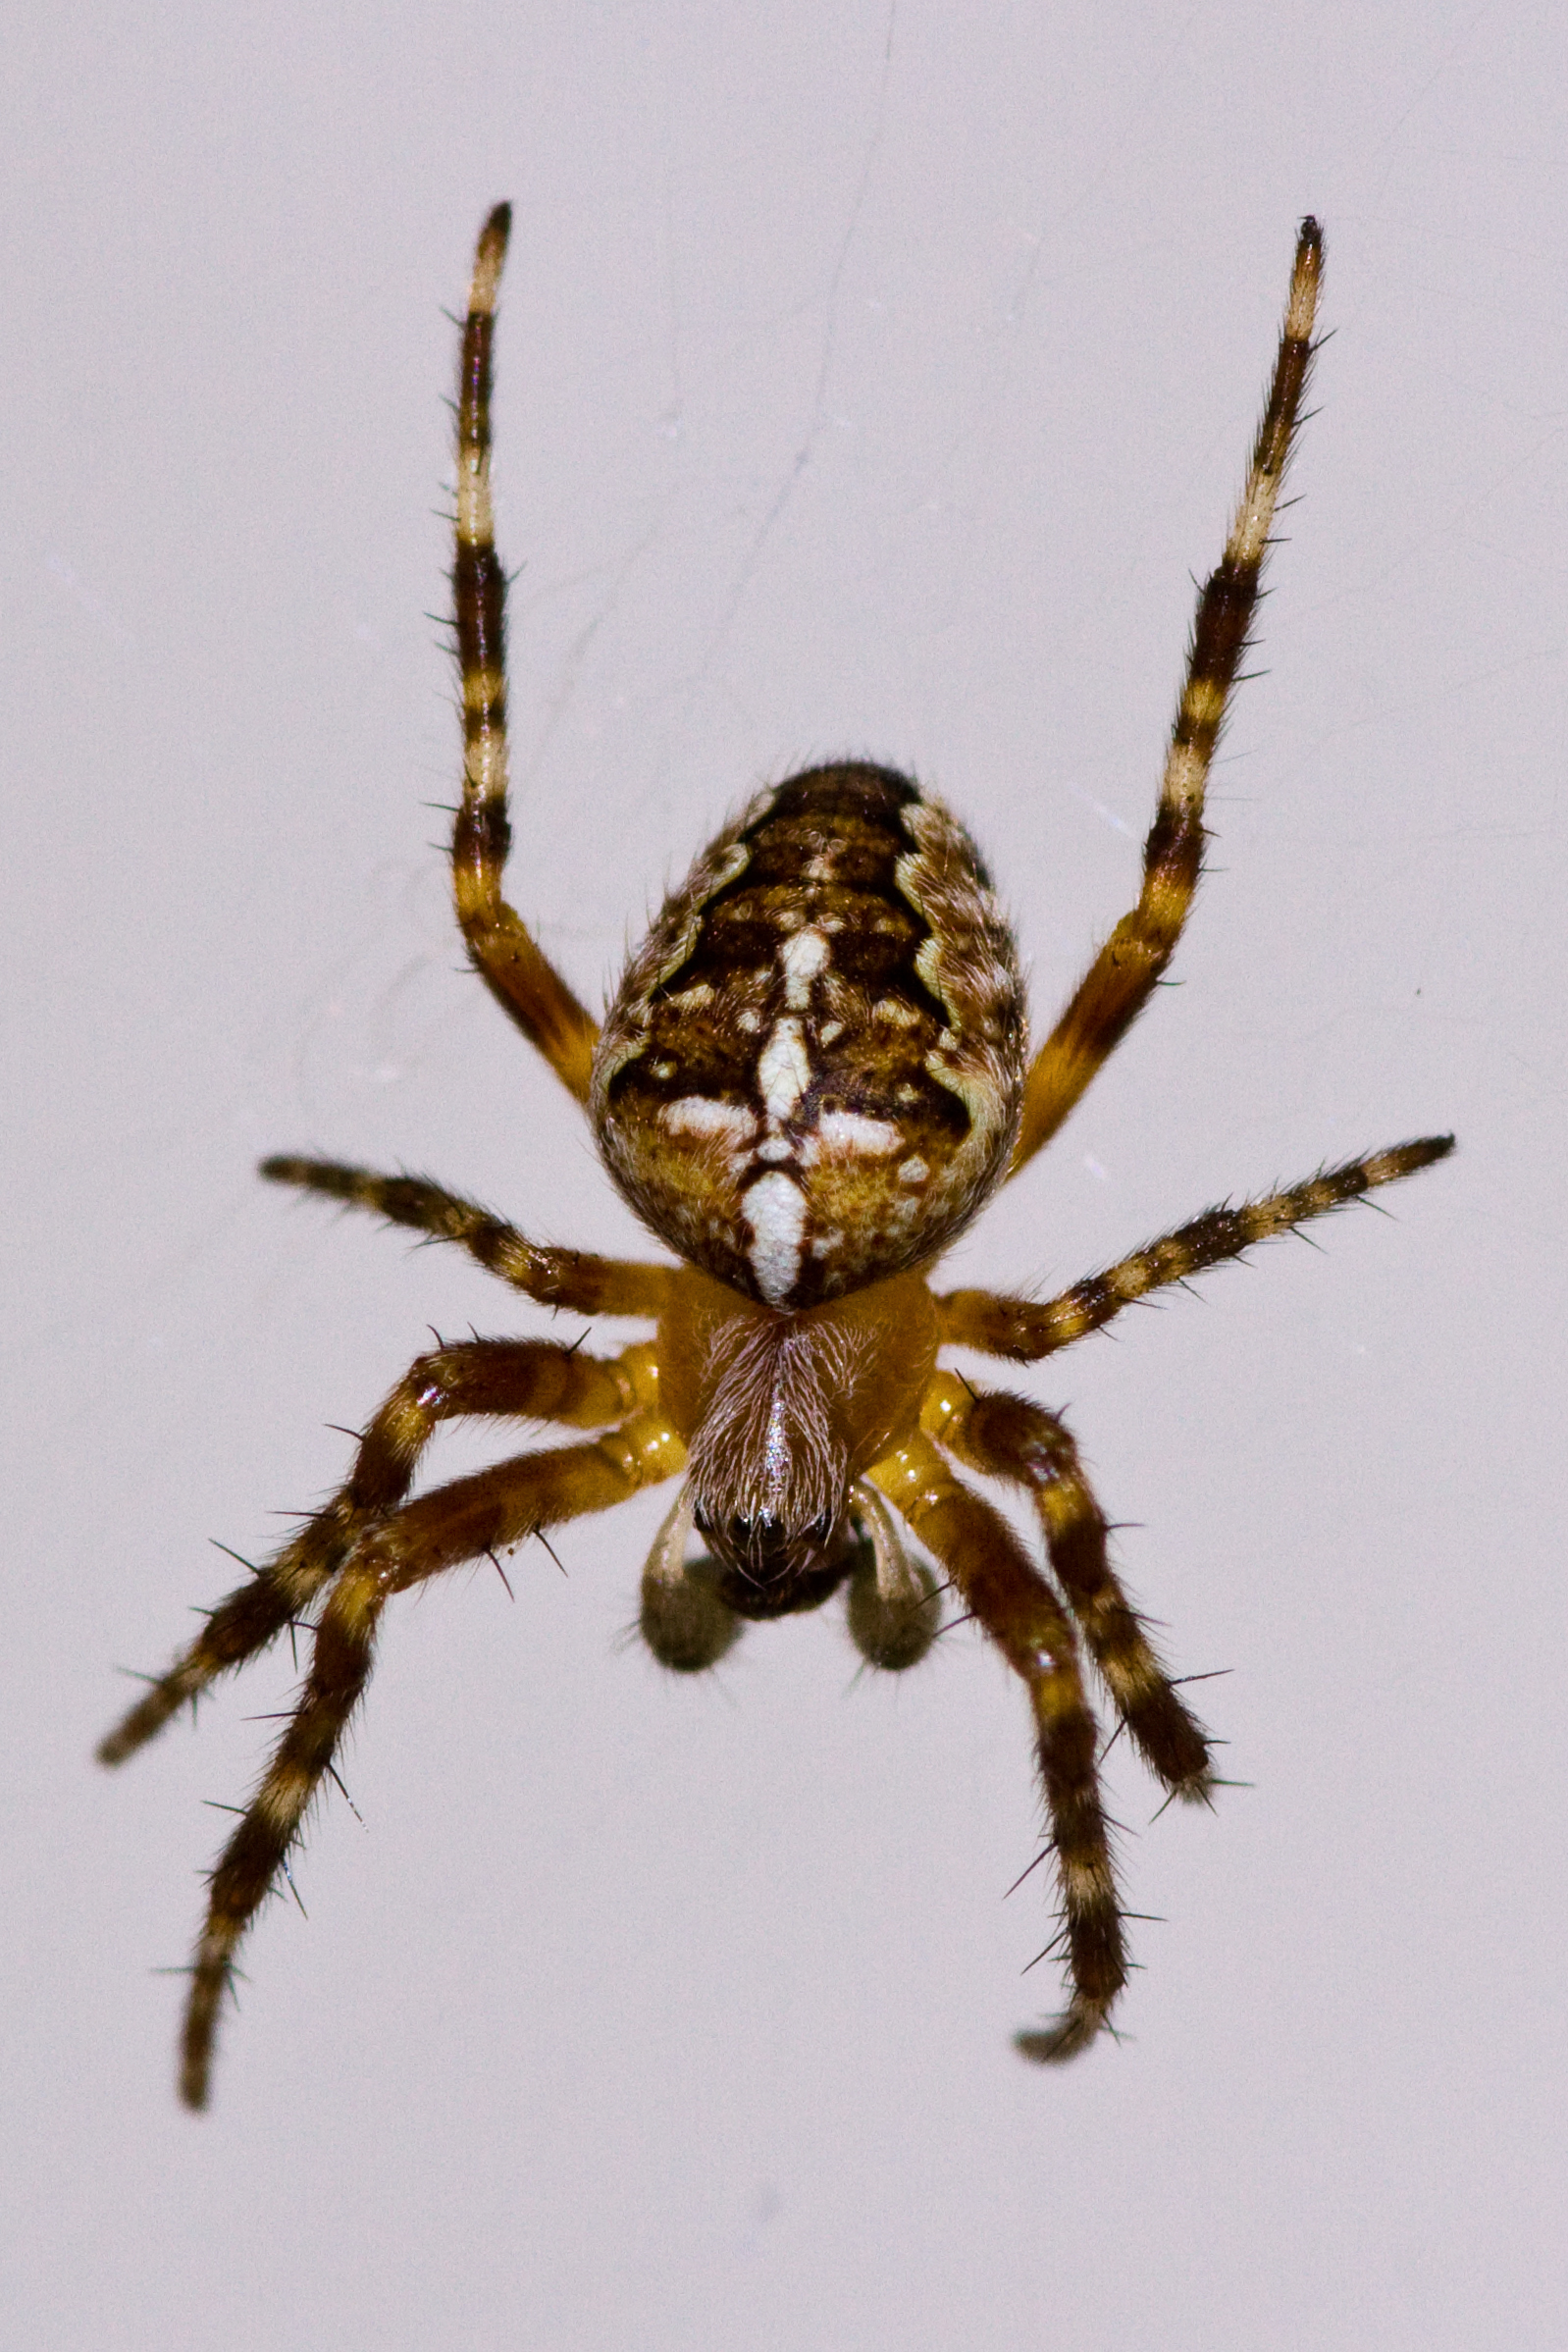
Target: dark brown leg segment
x=522 y=980
x=531 y=1380
x=557 y=1277
x=1119 y=981
x=460 y=1522
x=1009 y=1438
x=1025 y=1330
x=1000 y=1585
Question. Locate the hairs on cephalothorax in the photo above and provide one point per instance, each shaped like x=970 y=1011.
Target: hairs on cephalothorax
x=766 y=1450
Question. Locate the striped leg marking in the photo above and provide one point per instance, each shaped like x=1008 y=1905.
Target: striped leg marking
x=523 y=981
x=463 y=1521
x=571 y=1278
x=1025 y=1332
x=1118 y=983
x=1010 y=1438
x=519 y=1379
x=999 y=1585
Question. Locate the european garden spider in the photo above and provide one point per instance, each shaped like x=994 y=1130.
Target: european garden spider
x=815 y=1076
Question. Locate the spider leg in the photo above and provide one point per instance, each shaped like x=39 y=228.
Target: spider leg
x=1025 y=1330
x=1010 y=1438
x=531 y=1380
x=462 y=1521
x=522 y=980
x=1118 y=983
x=1011 y=1600
x=555 y=1278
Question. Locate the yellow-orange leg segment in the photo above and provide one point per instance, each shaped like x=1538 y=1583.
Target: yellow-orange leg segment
x=1025 y=1330
x=518 y=1380
x=557 y=1277
x=991 y=1571
x=1118 y=983
x=497 y=1508
x=521 y=980
x=1010 y=1438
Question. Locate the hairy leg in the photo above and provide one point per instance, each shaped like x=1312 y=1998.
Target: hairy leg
x=999 y=1585
x=1025 y=1330
x=1009 y=1438
x=463 y=1521
x=1118 y=983
x=519 y=976
x=528 y=1379
x=554 y=1278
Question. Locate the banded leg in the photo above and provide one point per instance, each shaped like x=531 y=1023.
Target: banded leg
x=1118 y=983
x=528 y=1379
x=554 y=1278
x=1025 y=1330
x=463 y=1521
x=998 y=1583
x=1009 y=1438
x=522 y=980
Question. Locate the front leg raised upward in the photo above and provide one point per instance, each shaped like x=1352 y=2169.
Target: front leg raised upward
x=1118 y=983
x=523 y=981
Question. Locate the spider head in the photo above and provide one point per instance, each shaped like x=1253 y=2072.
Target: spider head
x=770 y=1567
x=781 y=1413
x=769 y=1472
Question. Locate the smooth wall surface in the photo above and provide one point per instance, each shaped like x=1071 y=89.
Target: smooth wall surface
x=871 y=379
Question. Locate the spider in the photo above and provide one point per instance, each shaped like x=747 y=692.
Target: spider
x=813 y=1076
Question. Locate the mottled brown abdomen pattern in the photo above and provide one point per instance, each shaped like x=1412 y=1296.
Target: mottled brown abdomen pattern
x=811 y=1074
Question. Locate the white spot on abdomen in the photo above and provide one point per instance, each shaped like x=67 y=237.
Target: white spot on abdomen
x=802 y=957
x=783 y=1070
x=698 y=1115
x=896 y=1012
x=775 y=1211
x=850 y=1135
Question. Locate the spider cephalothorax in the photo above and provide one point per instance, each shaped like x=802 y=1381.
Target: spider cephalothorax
x=816 y=1073
x=782 y=1414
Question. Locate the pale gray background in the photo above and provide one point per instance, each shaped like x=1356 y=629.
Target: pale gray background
x=870 y=380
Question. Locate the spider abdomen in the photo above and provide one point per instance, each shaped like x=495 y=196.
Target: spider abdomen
x=811 y=1074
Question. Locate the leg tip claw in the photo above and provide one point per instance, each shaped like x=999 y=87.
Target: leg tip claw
x=1081 y=2022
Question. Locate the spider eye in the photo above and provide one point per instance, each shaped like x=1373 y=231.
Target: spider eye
x=763 y=1545
x=761 y=1540
x=768 y=1534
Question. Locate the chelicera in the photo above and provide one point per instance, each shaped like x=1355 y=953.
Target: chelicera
x=814 y=1074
